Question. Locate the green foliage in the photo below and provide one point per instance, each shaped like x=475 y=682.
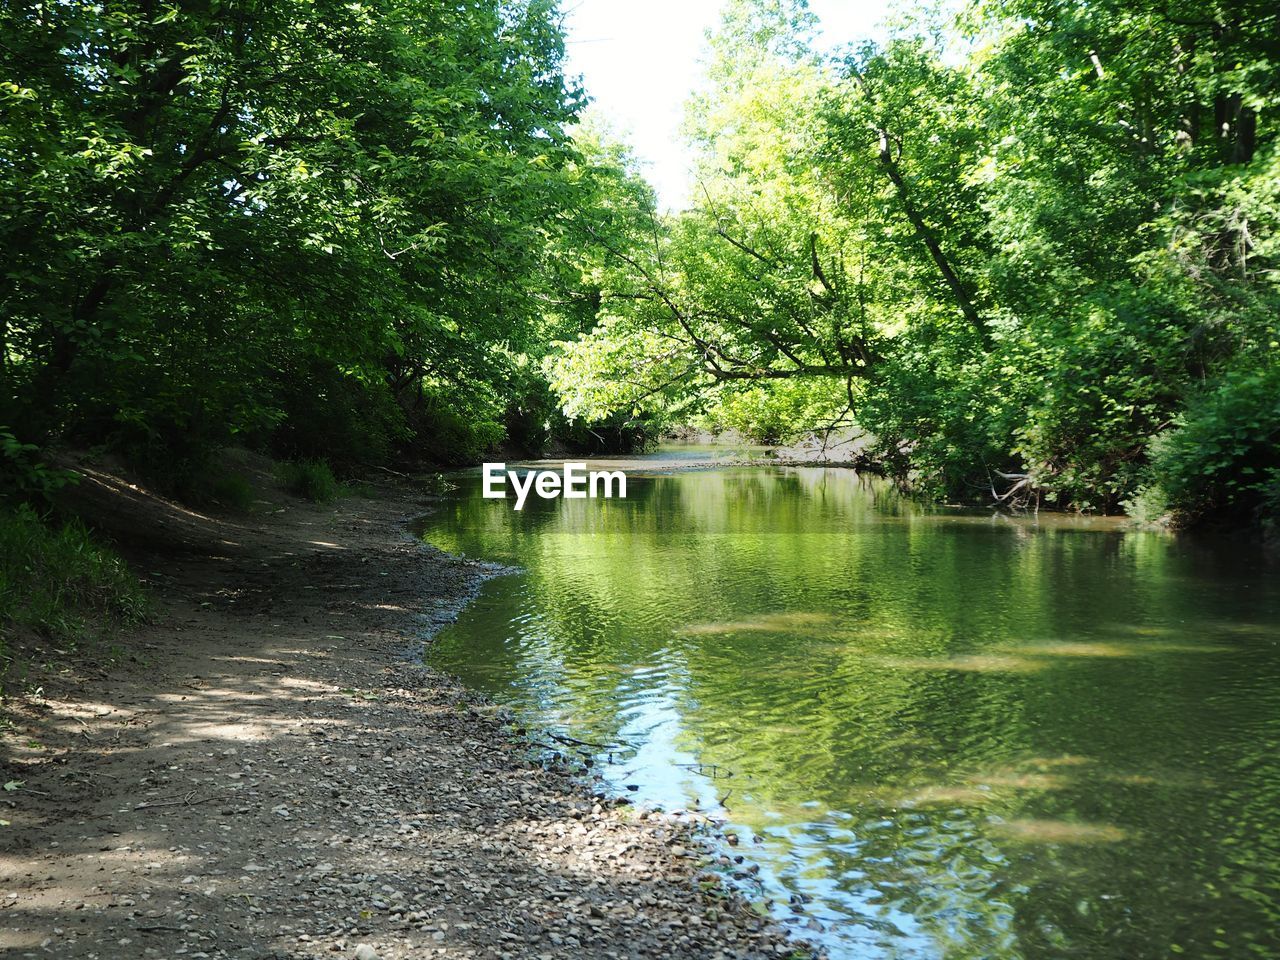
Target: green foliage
x=454 y=438
x=1221 y=463
x=344 y=418
x=533 y=417
x=1015 y=250
x=309 y=479
x=23 y=476
x=57 y=582
x=274 y=223
x=772 y=414
x=944 y=430
x=232 y=490
x=1149 y=505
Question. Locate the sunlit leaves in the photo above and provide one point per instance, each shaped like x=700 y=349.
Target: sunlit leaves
x=1020 y=247
x=228 y=199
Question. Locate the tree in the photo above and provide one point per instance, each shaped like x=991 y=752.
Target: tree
x=217 y=208
x=1017 y=254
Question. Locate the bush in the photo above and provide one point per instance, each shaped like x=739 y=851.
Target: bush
x=617 y=433
x=939 y=430
x=338 y=416
x=310 y=479
x=450 y=437
x=773 y=412
x=212 y=486
x=230 y=490
x=532 y=416
x=22 y=475
x=1221 y=464
x=57 y=581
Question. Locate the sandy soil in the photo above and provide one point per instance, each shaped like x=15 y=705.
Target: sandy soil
x=266 y=773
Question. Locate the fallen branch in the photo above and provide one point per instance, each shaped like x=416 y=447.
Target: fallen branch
x=394 y=473
x=1024 y=482
x=564 y=738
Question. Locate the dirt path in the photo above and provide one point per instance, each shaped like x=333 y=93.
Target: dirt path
x=268 y=776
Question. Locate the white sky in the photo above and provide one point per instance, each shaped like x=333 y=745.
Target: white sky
x=641 y=59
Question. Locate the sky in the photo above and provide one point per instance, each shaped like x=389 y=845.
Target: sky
x=640 y=61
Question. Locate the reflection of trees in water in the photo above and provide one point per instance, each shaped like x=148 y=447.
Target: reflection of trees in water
x=1041 y=747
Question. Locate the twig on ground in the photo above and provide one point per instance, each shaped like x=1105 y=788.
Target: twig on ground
x=186 y=801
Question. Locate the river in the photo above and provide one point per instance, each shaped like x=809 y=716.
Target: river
x=938 y=733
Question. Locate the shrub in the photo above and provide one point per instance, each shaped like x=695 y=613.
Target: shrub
x=447 y=436
x=774 y=412
x=344 y=418
x=213 y=485
x=310 y=479
x=617 y=433
x=1222 y=462
x=22 y=475
x=1149 y=505
x=230 y=490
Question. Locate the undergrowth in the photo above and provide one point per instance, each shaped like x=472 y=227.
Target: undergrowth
x=231 y=490
x=58 y=584
x=310 y=479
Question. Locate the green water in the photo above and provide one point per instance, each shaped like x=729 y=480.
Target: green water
x=956 y=735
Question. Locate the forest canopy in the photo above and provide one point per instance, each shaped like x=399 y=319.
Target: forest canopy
x=309 y=224
x=1027 y=253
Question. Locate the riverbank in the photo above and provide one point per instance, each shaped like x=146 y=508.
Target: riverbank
x=264 y=773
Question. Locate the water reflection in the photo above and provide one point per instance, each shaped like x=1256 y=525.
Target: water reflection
x=955 y=734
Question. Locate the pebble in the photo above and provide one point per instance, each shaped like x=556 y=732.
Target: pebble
x=464 y=844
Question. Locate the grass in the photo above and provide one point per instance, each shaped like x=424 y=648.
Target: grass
x=231 y=490
x=58 y=583
x=310 y=479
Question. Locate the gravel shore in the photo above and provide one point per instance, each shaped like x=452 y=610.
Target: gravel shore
x=266 y=773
